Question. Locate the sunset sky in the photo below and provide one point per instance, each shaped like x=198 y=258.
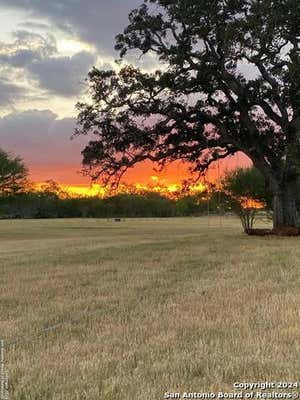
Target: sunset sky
x=46 y=49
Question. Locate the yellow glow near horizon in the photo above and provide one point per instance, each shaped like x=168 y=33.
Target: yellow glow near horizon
x=76 y=190
x=199 y=187
x=96 y=190
x=85 y=191
x=173 y=188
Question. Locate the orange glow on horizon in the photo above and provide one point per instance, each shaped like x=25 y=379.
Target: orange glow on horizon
x=173 y=191
x=94 y=190
x=97 y=190
x=143 y=173
x=171 y=182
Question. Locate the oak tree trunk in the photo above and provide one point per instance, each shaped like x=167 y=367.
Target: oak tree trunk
x=285 y=212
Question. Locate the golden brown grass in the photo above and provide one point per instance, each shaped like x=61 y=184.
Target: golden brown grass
x=178 y=307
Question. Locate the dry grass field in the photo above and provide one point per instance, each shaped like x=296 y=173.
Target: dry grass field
x=177 y=307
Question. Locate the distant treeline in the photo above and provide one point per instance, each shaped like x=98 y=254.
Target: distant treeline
x=242 y=191
x=50 y=205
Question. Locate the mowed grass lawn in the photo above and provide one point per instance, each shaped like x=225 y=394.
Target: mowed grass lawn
x=179 y=306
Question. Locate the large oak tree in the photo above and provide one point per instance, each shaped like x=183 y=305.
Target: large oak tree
x=229 y=81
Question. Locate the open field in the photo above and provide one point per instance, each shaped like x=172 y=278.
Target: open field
x=178 y=307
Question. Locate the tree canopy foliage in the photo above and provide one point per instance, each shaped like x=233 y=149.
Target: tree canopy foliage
x=13 y=173
x=247 y=183
x=245 y=192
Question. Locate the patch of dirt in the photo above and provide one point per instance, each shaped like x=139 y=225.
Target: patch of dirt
x=280 y=231
x=259 y=232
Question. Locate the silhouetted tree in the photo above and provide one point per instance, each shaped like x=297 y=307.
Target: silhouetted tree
x=52 y=189
x=244 y=189
x=202 y=105
x=13 y=174
x=247 y=183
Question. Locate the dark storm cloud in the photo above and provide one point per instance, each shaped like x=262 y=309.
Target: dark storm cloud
x=26 y=47
x=37 y=55
x=20 y=58
x=95 y=21
x=62 y=75
x=9 y=93
x=40 y=138
x=45 y=44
